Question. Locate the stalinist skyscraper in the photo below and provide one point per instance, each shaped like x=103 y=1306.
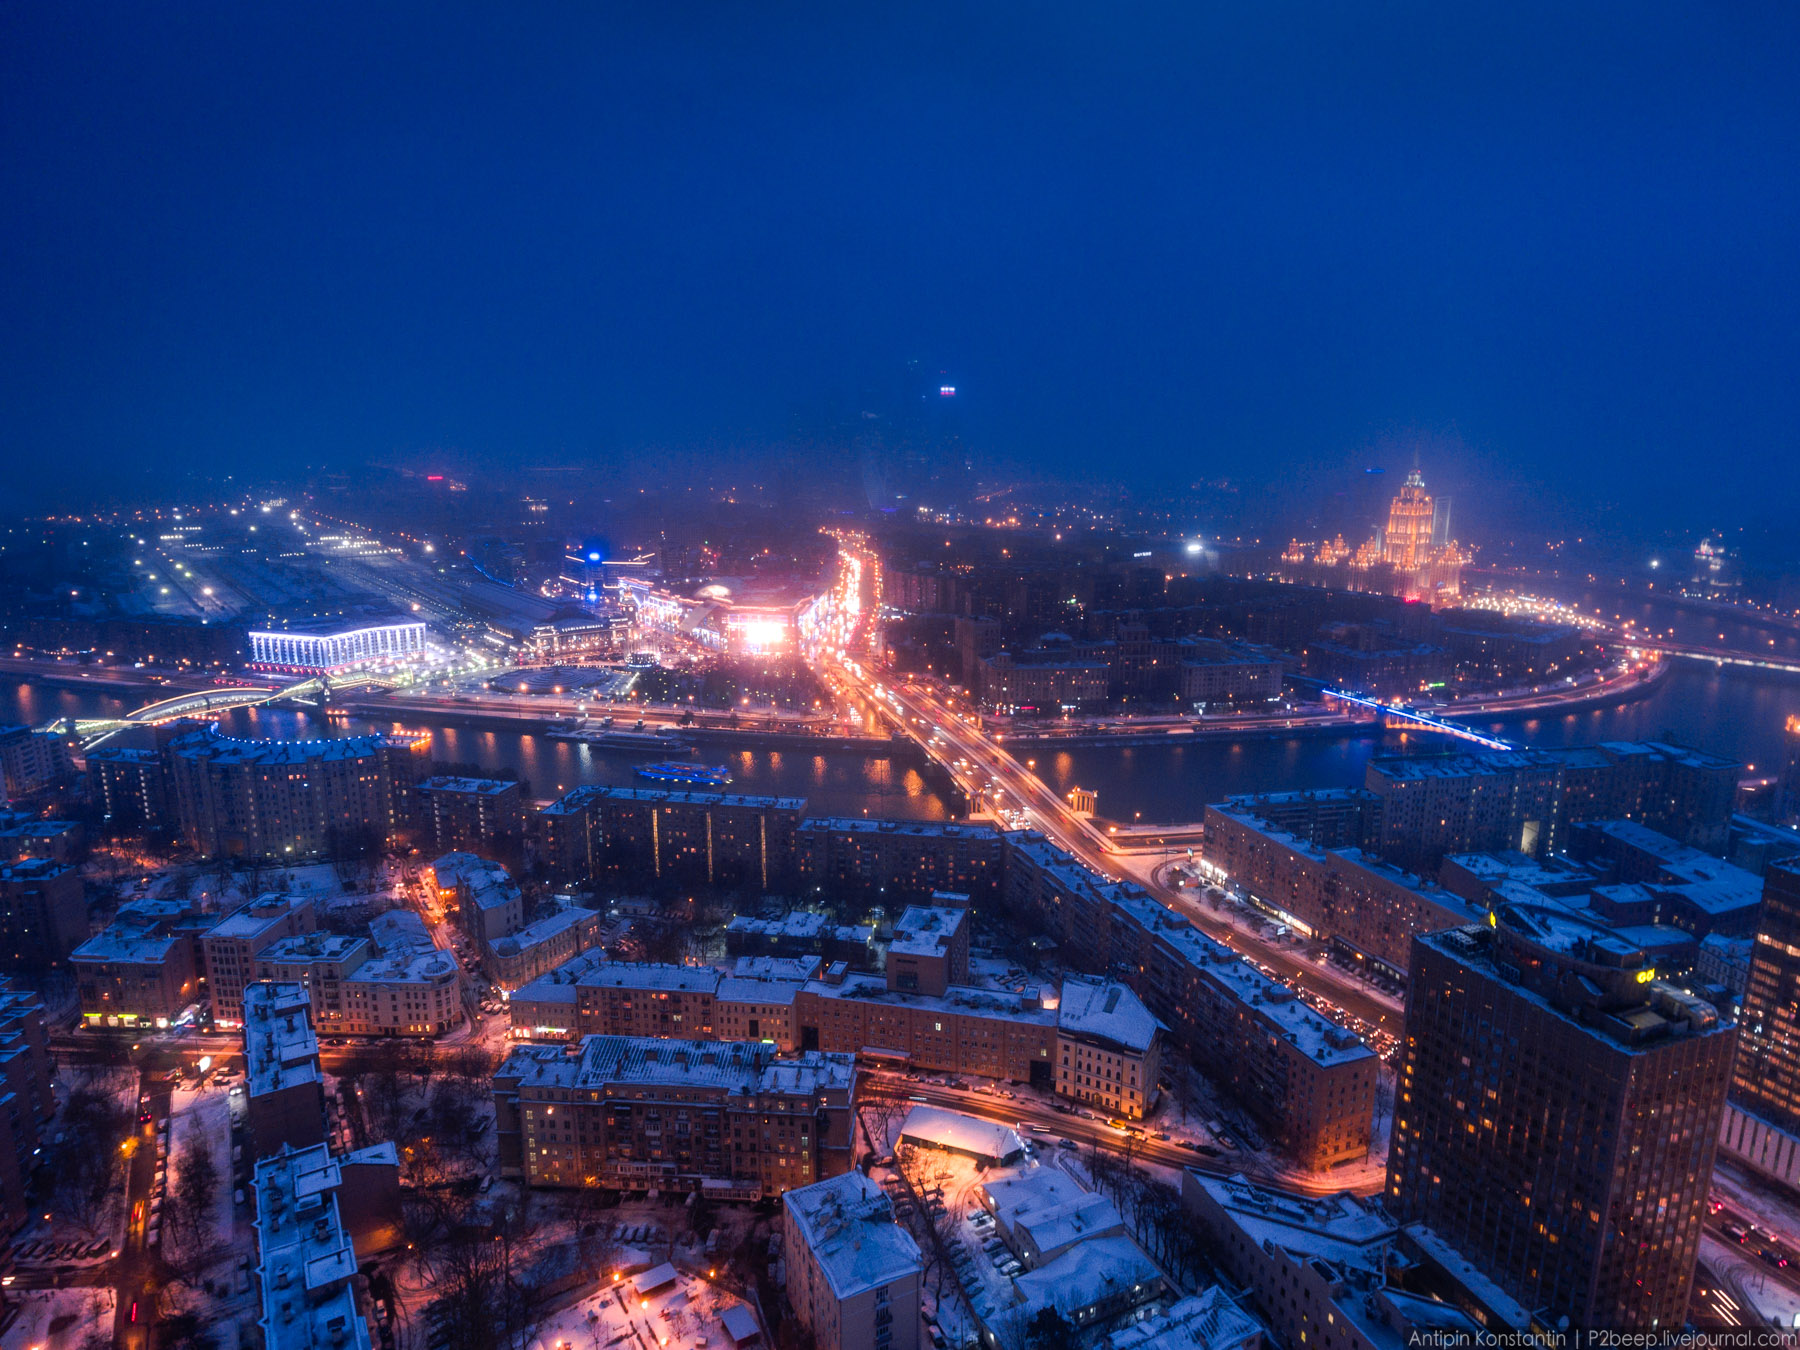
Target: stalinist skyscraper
x=1407 y=544
x=1413 y=556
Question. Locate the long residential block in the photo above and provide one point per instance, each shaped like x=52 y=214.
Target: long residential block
x=650 y=837
x=1367 y=908
x=731 y=1120
x=1308 y=1082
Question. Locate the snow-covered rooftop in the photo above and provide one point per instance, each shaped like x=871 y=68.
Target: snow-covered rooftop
x=736 y=1066
x=1208 y=1321
x=281 y=1049
x=799 y=969
x=258 y=916
x=962 y=1134
x=927 y=930
x=306 y=1262
x=1096 y=1010
x=848 y=1224
x=1088 y=1273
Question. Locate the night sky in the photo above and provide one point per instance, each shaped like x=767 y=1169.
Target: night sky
x=1557 y=247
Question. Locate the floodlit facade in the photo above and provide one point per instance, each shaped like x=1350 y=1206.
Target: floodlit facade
x=323 y=652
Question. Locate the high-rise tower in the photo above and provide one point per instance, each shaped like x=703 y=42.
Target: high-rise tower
x=1767 y=1080
x=1407 y=543
x=1558 y=1116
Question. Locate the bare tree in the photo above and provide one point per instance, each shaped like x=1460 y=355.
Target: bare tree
x=481 y=1305
x=94 y=1126
x=884 y=1105
x=189 y=1217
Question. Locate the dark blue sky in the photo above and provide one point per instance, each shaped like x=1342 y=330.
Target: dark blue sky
x=1165 y=243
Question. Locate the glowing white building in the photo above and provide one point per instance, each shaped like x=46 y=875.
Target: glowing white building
x=321 y=650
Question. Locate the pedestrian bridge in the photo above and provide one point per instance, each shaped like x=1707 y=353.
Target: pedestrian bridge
x=205 y=704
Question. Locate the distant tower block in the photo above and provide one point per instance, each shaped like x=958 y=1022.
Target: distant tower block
x=1081 y=801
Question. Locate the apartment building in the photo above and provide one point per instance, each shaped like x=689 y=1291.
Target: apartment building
x=291 y=799
x=629 y=1112
x=1307 y=1081
x=1366 y=908
x=43 y=914
x=1543 y=1058
x=652 y=837
x=231 y=947
x=895 y=861
x=283 y=1082
x=359 y=990
x=27 y=1101
x=1108 y=1048
x=853 y=1272
x=470 y=814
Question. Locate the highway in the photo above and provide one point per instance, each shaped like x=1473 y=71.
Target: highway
x=996 y=782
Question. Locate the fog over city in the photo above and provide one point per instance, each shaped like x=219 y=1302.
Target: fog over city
x=1008 y=678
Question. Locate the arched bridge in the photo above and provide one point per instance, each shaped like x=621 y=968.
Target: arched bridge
x=207 y=703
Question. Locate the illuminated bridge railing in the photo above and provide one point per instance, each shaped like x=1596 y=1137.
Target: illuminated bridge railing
x=90 y=732
x=1412 y=717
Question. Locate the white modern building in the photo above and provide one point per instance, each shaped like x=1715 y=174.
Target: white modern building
x=320 y=650
x=852 y=1272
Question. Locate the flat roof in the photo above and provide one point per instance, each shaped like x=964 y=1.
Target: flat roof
x=307 y=947
x=34 y=869
x=958 y=999
x=408 y=965
x=470 y=787
x=247 y=923
x=577 y=798
x=650 y=975
x=306 y=1261
x=336 y=627
x=127 y=943
x=926 y=930
x=734 y=989
x=887 y=825
x=210 y=745
x=281 y=1050
x=799 y=969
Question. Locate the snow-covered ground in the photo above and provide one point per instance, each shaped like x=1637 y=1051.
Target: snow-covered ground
x=195 y=1119
x=57 y=1319
x=549 y=1243
x=218 y=1287
x=957 y=1179
x=686 y=1313
x=1762 y=1299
